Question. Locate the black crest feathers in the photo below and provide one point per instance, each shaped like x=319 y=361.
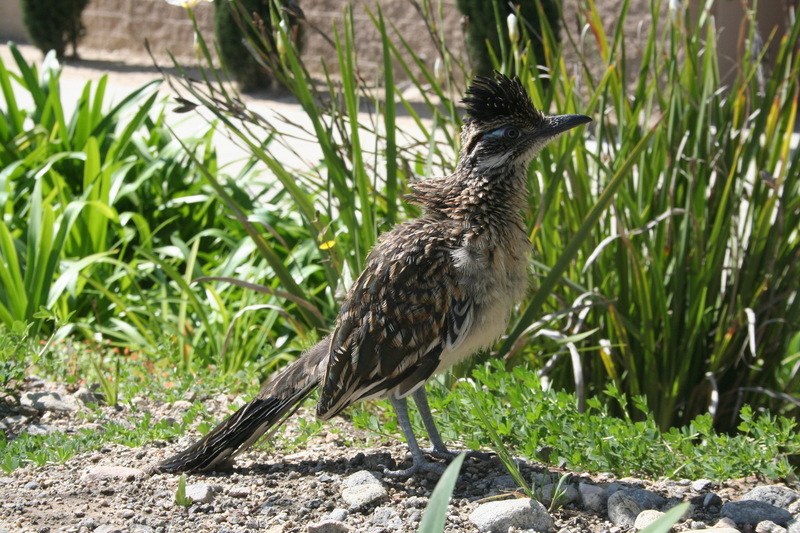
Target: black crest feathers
x=489 y=99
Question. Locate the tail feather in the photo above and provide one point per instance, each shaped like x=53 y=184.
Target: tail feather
x=266 y=411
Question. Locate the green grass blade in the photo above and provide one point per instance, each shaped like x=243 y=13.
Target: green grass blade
x=571 y=250
x=435 y=516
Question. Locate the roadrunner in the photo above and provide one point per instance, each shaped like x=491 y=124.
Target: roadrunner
x=435 y=289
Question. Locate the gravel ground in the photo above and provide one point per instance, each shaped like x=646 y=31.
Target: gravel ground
x=333 y=486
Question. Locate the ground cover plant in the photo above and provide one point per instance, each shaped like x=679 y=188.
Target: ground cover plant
x=666 y=246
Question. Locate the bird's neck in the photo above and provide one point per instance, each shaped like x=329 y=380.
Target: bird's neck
x=493 y=202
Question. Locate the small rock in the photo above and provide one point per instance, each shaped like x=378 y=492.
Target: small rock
x=386 y=518
x=768 y=526
x=200 y=492
x=522 y=513
x=646 y=498
x=126 y=513
x=416 y=502
x=49 y=401
x=645 y=518
x=752 y=512
x=504 y=483
x=239 y=491
x=41 y=429
x=182 y=405
x=108 y=528
x=623 y=509
x=725 y=523
x=594 y=498
x=85 y=396
x=567 y=494
x=140 y=528
x=712 y=500
x=774 y=495
x=32 y=485
x=89 y=523
x=361 y=496
x=702 y=484
x=362 y=477
x=328 y=526
x=338 y=515
x=113 y=472
x=794 y=525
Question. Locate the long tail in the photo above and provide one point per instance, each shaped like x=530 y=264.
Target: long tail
x=242 y=429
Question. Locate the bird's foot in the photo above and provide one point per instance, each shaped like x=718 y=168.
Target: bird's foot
x=421 y=465
x=447 y=455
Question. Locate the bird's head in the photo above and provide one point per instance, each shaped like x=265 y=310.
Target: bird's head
x=503 y=127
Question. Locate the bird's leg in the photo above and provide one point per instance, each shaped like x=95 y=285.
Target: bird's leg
x=440 y=450
x=420 y=464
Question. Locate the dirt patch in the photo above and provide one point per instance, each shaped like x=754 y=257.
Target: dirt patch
x=309 y=488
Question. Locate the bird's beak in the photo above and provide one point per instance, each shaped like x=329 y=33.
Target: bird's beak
x=560 y=123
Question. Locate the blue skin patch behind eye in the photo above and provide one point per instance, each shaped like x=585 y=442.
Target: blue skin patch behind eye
x=499 y=133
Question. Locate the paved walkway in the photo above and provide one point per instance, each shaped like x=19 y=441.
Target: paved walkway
x=124 y=78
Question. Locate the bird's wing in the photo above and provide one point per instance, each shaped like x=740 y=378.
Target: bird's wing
x=402 y=312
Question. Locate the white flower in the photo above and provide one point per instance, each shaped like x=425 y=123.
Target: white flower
x=513 y=31
x=185 y=3
x=438 y=71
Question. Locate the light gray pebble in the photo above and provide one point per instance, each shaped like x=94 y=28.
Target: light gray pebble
x=42 y=429
x=89 y=523
x=182 y=405
x=417 y=502
x=338 y=515
x=702 y=484
x=126 y=513
x=239 y=491
x=362 y=477
x=328 y=526
x=768 y=526
x=113 y=472
x=773 y=494
x=645 y=518
x=200 y=492
x=85 y=396
x=386 y=518
x=752 y=512
x=522 y=513
x=49 y=401
x=623 y=509
x=32 y=485
x=360 y=496
x=109 y=528
x=794 y=525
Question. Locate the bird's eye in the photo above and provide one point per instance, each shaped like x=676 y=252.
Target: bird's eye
x=506 y=132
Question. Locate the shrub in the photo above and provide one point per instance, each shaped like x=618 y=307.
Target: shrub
x=232 y=24
x=485 y=18
x=54 y=25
